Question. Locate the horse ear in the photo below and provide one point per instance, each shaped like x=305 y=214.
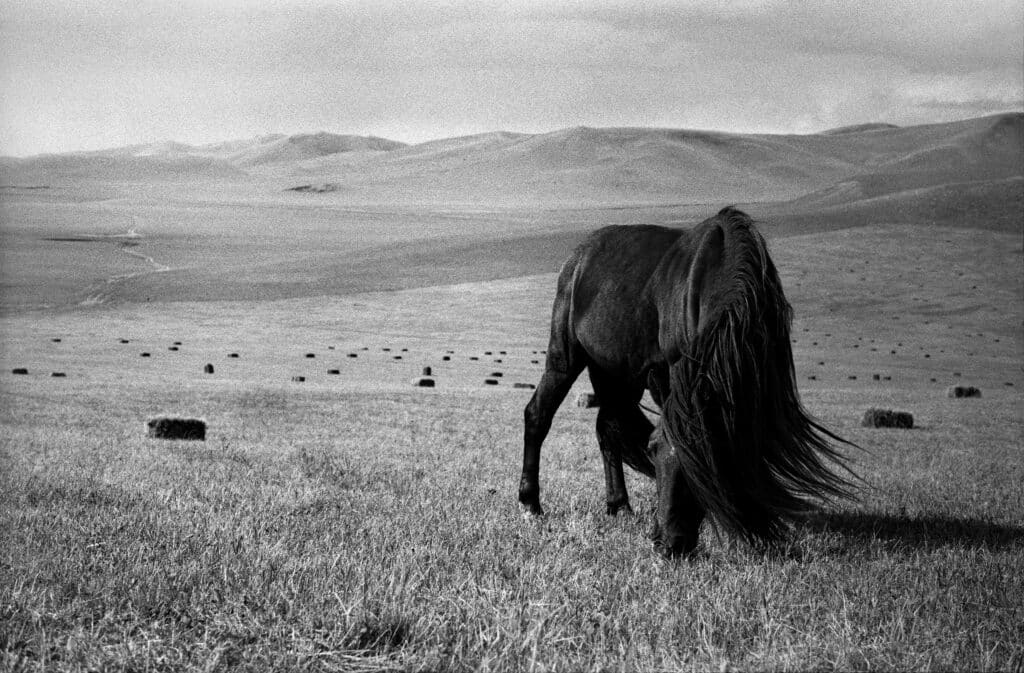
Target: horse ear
x=706 y=262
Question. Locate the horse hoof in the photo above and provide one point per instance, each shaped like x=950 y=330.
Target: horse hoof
x=616 y=509
x=667 y=553
x=675 y=552
x=531 y=510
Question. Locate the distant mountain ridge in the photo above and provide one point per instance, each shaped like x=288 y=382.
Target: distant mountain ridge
x=576 y=165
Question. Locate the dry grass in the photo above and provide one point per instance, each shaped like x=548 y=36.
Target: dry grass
x=355 y=522
x=397 y=544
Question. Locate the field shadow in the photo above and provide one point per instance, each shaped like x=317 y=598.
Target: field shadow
x=916 y=532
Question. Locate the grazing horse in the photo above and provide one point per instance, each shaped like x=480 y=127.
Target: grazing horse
x=699 y=319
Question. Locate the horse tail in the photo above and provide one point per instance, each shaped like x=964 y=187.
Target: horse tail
x=750 y=452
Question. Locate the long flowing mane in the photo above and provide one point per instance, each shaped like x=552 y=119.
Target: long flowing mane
x=751 y=454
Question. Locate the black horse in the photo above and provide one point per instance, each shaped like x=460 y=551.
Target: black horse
x=698 y=318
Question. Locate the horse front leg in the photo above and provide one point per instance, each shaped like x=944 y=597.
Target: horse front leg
x=616 y=497
x=623 y=433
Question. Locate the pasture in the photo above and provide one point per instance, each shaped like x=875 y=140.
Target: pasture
x=352 y=521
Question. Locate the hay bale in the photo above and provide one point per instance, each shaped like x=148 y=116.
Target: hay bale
x=172 y=348
x=353 y=355
x=144 y=355
x=812 y=377
x=396 y=357
x=534 y=362
x=497 y=360
x=232 y=355
x=55 y=340
x=446 y=358
x=386 y=350
x=58 y=375
x=21 y=371
x=587 y=400
x=124 y=341
x=488 y=353
x=528 y=386
x=310 y=355
x=177 y=428
x=423 y=382
x=496 y=374
x=177 y=343
x=490 y=382
x=208 y=368
x=333 y=371
x=473 y=357
x=298 y=379
x=876 y=377
x=887 y=418
x=427 y=371
x=962 y=391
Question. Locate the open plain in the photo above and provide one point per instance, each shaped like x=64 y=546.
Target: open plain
x=351 y=521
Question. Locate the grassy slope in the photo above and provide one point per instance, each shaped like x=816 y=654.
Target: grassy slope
x=350 y=522
x=290 y=250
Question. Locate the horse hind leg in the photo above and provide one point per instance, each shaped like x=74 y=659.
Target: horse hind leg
x=553 y=387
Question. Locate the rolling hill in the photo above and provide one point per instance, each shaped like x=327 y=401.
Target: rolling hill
x=302 y=147
x=115 y=166
x=580 y=165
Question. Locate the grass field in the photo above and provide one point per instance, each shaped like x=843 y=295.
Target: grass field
x=301 y=535
x=352 y=522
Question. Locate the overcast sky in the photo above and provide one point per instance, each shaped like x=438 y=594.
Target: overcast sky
x=88 y=74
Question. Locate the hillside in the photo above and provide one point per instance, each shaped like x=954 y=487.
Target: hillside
x=67 y=169
x=179 y=161
x=296 y=148
x=639 y=165
x=577 y=166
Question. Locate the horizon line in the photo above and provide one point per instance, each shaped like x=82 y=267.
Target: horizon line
x=280 y=134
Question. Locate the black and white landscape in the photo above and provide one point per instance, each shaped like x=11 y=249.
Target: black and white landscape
x=353 y=324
